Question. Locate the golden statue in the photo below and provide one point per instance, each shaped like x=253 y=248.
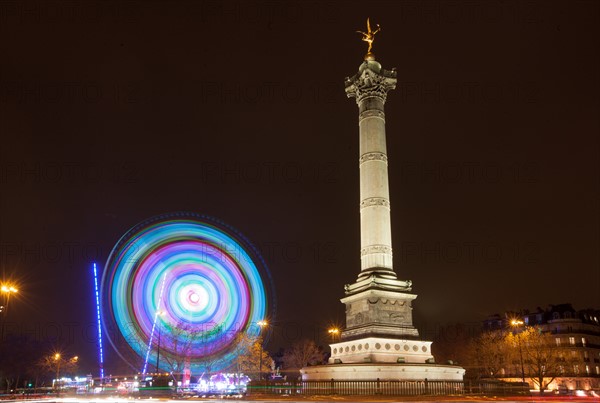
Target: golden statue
x=369 y=36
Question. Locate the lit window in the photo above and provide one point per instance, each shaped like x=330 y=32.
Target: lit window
x=587 y=369
x=572 y=341
x=557 y=341
x=597 y=370
x=583 y=341
x=576 y=368
x=526 y=319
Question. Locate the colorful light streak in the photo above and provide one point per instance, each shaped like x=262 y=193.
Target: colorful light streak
x=100 y=350
x=214 y=287
x=156 y=315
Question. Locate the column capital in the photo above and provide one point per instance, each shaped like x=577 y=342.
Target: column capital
x=370 y=81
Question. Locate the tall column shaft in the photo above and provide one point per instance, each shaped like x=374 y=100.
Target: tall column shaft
x=375 y=233
x=378 y=305
x=370 y=87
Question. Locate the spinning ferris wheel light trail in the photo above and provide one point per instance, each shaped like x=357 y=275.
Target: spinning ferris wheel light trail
x=207 y=280
x=156 y=315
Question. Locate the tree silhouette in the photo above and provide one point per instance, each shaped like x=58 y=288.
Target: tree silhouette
x=490 y=353
x=58 y=365
x=303 y=353
x=251 y=358
x=530 y=353
x=542 y=359
x=176 y=347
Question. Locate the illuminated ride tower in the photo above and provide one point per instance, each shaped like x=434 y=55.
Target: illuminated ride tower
x=380 y=340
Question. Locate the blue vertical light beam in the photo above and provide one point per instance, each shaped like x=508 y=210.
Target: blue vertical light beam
x=100 y=351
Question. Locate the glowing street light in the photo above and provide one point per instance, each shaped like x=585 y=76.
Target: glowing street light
x=334 y=333
x=59 y=360
x=7 y=290
x=262 y=324
x=515 y=323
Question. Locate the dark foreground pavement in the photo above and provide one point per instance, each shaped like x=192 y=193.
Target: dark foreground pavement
x=340 y=399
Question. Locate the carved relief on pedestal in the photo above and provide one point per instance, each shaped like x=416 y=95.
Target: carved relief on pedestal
x=386 y=301
x=396 y=317
x=384 y=310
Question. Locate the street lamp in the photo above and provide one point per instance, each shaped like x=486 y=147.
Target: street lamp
x=58 y=361
x=7 y=290
x=334 y=332
x=516 y=323
x=262 y=324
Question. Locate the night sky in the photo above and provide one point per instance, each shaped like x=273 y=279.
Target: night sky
x=114 y=112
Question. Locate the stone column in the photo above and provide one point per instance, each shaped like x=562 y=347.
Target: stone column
x=370 y=87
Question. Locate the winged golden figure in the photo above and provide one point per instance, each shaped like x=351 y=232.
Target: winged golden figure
x=369 y=36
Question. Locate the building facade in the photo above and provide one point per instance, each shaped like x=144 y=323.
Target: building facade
x=576 y=336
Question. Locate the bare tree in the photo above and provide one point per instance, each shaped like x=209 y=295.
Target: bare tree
x=530 y=354
x=17 y=353
x=58 y=365
x=303 y=353
x=489 y=353
x=252 y=358
x=210 y=350
x=454 y=343
x=177 y=347
x=542 y=359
